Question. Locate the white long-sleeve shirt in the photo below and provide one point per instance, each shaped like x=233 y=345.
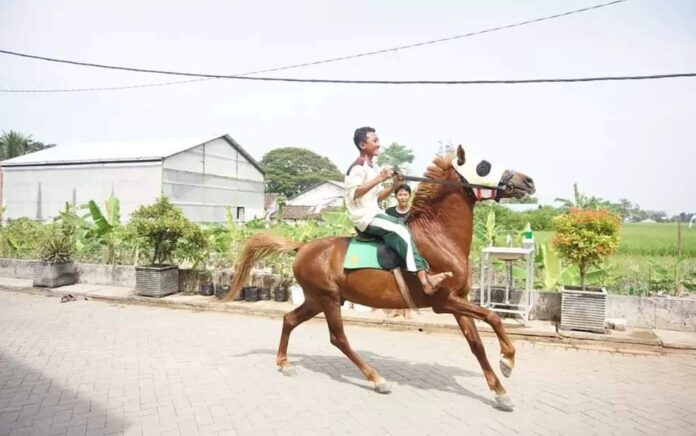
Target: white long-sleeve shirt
x=362 y=210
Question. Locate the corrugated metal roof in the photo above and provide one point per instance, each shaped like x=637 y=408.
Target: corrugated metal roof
x=117 y=151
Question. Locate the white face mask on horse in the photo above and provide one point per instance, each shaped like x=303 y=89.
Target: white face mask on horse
x=486 y=176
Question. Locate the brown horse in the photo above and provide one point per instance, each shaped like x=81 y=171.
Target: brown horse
x=442 y=224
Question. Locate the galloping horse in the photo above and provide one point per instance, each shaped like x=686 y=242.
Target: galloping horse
x=442 y=224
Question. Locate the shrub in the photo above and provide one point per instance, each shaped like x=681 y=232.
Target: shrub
x=161 y=229
x=585 y=238
x=57 y=247
x=23 y=237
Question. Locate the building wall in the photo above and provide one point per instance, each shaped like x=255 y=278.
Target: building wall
x=40 y=192
x=326 y=194
x=207 y=179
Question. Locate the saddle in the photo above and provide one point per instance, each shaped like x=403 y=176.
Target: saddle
x=367 y=251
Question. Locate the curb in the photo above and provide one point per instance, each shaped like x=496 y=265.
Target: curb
x=572 y=339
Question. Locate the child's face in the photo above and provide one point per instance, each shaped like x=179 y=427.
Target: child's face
x=402 y=197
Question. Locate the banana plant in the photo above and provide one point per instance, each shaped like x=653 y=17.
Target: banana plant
x=102 y=229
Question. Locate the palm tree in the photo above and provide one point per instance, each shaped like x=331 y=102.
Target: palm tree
x=13 y=144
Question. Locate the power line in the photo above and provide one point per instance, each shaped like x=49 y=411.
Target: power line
x=336 y=59
x=418 y=82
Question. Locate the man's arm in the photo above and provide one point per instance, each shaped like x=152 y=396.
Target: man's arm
x=384 y=174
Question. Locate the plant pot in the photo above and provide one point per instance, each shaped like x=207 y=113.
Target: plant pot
x=251 y=294
x=280 y=294
x=207 y=288
x=156 y=281
x=52 y=275
x=240 y=296
x=221 y=290
x=264 y=294
x=583 y=310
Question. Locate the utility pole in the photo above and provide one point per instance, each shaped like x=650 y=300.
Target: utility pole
x=679 y=236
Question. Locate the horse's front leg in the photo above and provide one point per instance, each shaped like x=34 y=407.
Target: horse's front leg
x=471 y=334
x=450 y=302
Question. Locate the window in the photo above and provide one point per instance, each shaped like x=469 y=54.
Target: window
x=240 y=214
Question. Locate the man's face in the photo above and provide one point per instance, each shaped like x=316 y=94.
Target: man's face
x=371 y=144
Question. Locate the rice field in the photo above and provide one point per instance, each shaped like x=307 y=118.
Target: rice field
x=648 y=239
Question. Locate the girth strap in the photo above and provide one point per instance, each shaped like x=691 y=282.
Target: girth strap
x=403 y=288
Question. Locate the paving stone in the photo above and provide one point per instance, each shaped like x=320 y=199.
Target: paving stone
x=99 y=368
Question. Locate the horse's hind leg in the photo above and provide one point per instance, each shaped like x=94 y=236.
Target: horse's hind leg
x=332 y=310
x=302 y=313
x=472 y=336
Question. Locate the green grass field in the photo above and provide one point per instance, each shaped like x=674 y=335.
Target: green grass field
x=642 y=247
x=648 y=239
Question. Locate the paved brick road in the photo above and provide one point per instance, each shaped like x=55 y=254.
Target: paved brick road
x=90 y=367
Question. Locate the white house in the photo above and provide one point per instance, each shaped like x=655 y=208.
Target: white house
x=202 y=176
x=325 y=194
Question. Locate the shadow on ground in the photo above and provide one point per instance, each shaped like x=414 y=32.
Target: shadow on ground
x=425 y=376
x=33 y=402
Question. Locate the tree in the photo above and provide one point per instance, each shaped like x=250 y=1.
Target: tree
x=396 y=156
x=585 y=238
x=291 y=170
x=13 y=144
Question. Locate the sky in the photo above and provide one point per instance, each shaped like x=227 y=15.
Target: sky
x=631 y=140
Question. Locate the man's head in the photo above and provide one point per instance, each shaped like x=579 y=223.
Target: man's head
x=366 y=140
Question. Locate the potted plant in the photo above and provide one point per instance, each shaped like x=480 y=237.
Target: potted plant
x=207 y=287
x=223 y=280
x=56 y=267
x=585 y=238
x=160 y=230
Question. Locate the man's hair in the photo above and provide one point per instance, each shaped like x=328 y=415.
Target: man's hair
x=360 y=135
x=403 y=187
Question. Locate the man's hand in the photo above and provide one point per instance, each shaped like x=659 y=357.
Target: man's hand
x=385 y=173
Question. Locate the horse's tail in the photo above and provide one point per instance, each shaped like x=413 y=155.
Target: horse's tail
x=259 y=246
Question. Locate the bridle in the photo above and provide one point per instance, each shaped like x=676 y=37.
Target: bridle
x=478 y=192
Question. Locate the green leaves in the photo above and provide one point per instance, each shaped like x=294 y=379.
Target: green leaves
x=396 y=156
x=57 y=247
x=291 y=170
x=161 y=228
x=586 y=237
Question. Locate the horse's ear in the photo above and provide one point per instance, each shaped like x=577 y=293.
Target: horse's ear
x=461 y=157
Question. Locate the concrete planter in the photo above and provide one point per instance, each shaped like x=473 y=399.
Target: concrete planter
x=583 y=310
x=156 y=281
x=52 y=275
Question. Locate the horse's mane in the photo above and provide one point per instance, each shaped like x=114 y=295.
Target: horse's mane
x=428 y=192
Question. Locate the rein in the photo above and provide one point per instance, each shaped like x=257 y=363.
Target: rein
x=441 y=182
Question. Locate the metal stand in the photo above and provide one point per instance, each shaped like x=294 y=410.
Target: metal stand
x=509 y=255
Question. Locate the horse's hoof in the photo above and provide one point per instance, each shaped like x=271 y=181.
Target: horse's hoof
x=383 y=387
x=288 y=370
x=506 y=366
x=503 y=402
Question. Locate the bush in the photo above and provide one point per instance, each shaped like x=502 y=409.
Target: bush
x=22 y=238
x=161 y=230
x=585 y=238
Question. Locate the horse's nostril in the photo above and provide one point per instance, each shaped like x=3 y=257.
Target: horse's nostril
x=528 y=180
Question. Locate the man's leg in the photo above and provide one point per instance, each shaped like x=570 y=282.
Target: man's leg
x=397 y=236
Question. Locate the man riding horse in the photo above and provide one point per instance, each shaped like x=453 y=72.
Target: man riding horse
x=362 y=181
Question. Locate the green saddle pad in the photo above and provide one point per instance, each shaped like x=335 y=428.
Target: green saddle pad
x=361 y=254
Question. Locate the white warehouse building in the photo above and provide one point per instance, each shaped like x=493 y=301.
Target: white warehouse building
x=201 y=176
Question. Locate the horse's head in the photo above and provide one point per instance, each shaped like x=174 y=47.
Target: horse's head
x=492 y=181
